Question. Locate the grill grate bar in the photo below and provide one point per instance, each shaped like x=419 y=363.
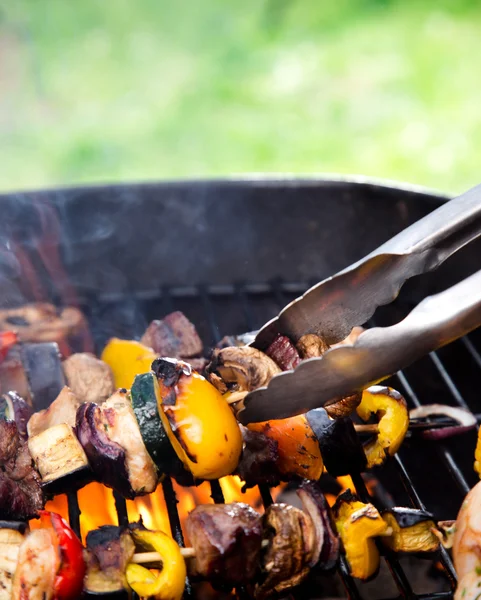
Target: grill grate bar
x=441 y=369
x=392 y=562
x=74 y=512
x=472 y=350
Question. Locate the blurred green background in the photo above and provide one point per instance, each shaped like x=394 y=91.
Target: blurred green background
x=118 y=90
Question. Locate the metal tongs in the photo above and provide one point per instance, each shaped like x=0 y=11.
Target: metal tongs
x=333 y=307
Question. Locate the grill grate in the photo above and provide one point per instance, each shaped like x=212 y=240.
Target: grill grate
x=236 y=309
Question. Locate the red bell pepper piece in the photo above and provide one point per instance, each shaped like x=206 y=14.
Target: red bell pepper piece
x=69 y=579
x=7 y=340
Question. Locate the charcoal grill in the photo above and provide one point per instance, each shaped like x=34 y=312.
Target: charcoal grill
x=230 y=254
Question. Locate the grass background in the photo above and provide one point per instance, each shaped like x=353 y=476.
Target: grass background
x=118 y=90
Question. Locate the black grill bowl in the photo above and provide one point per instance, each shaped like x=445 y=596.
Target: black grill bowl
x=230 y=254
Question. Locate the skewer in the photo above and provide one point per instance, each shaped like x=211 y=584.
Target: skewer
x=150 y=557
x=418 y=424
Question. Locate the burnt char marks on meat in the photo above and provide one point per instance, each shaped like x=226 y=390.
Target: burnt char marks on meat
x=227 y=541
x=21 y=495
x=174 y=336
x=109 y=550
x=258 y=463
x=284 y=353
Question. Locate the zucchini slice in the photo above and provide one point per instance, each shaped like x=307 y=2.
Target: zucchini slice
x=145 y=395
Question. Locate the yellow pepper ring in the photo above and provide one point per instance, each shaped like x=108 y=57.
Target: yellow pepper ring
x=357 y=524
x=201 y=427
x=391 y=407
x=169 y=583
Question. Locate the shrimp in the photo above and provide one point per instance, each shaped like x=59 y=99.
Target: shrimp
x=467 y=547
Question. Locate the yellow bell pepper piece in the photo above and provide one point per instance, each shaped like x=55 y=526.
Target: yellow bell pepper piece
x=201 y=427
x=357 y=523
x=477 y=455
x=127 y=358
x=169 y=583
x=391 y=407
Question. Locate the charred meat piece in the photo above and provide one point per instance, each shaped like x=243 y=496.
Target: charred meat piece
x=62 y=410
x=14 y=408
x=21 y=494
x=285 y=562
x=174 y=336
x=240 y=370
x=89 y=378
x=37 y=566
x=259 y=459
x=109 y=550
x=284 y=353
x=227 y=542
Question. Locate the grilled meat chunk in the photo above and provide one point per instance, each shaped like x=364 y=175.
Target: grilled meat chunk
x=89 y=378
x=38 y=561
x=20 y=491
x=285 y=563
x=111 y=438
x=259 y=459
x=121 y=427
x=109 y=550
x=174 y=336
x=62 y=410
x=284 y=353
x=227 y=541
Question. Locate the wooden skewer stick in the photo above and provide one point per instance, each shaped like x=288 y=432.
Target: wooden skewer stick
x=150 y=557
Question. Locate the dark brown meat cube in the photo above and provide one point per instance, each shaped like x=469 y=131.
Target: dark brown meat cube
x=258 y=463
x=284 y=353
x=20 y=491
x=175 y=336
x=227 y=542
x=109 y=550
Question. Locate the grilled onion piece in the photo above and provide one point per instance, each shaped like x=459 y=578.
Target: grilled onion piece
x=357 y=524
x=227 y=542
x=326 y=544
x=311 y=346
x=14 y=408
x=412 y=530
x=393 y=424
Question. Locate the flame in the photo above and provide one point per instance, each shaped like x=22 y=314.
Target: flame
x=97 y=503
